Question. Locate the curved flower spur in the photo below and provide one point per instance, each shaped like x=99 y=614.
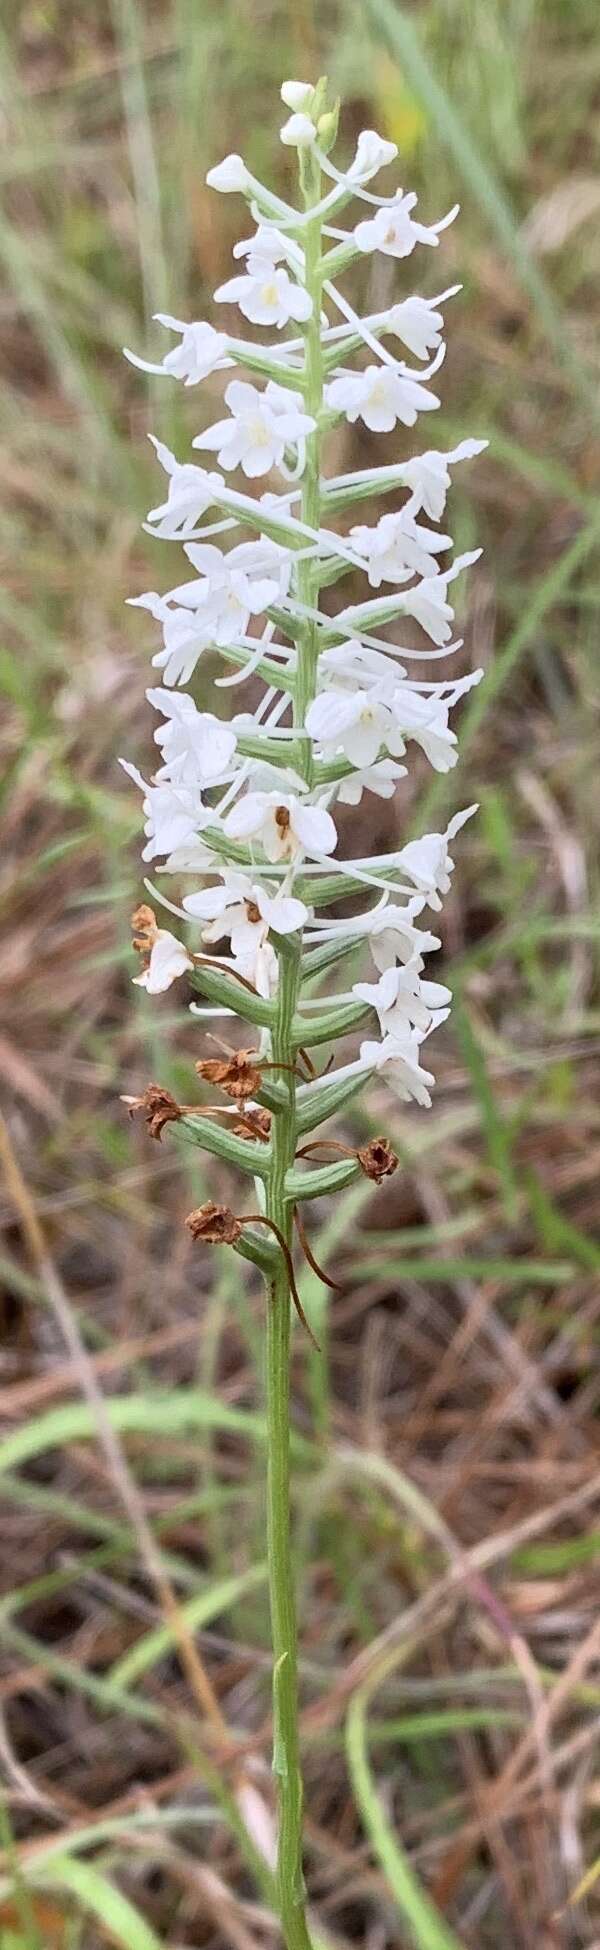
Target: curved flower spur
x=244 y=807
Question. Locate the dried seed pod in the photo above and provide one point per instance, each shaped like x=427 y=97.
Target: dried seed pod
x=377 y=1159
x=214 y=1224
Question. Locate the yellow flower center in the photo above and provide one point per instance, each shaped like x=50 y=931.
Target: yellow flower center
x=259 y=433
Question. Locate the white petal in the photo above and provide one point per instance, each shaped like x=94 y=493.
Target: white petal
x=459 y=820
x=213 y=437
x=369 y=1055
x=315 y=828
x=435 y=995
x=299 y=303
x=241 y=397
x=379 y=995
x=285 y=914
x=233 y=291
x=331 y=713
x=247 y=817
x=208 y=903
x=362 y=742
x=133 y=773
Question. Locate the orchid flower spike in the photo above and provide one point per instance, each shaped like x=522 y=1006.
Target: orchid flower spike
x=242 y=810
x=251 y=806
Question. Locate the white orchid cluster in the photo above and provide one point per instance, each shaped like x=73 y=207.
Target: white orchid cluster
x=245 y=805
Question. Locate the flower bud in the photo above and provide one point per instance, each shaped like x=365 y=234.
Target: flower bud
x=372 y=154
x=230 y=174
x=298 y=133
x=296 y=94
x=327 y=128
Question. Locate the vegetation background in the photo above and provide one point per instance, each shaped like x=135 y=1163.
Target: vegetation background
x=448 y=1476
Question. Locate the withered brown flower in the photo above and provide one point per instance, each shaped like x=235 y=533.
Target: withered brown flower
x=145 y=928
x=214 y=1224
x=377 y=1159
x=157 y=1106
x=217 y=1225
x=254 y=1123
x=238 y=1075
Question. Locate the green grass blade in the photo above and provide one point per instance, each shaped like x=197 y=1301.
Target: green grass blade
x=427 y=1928
x=548 y=591
x=197 y=1612
x=93 y=1892
x=555 y=1230
x=168 y=1415
x=29 y=1938
x=556 y=1559
x=411 y=1728
x=128 y=19
x=510 y=1272
x=496 y=1135
x=404 y=41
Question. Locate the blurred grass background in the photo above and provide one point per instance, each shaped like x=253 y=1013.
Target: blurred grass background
x=448 y=1477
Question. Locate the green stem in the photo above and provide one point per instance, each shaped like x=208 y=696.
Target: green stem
x=286 y=1747
x=286 y=1743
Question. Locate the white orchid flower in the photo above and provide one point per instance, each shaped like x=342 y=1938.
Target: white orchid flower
x=168 y=960
x=353 y=722
x=395 y=231
x=429 y=475
x=393 y=936
x=286 y=827
x=191 y=491
x=380 y=396
x=380 y=778
x=296 y=94
x=174 y=814
x=425 y=719
x=260 y=428
x=397 y=1058
x=428 y=861
x=402 y=998
x=202 y=351
x=197 y=748
x=398 y=547
x=419 y=322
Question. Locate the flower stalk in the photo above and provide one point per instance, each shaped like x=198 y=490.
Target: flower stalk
x=242 y=804
x=286 y=1750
